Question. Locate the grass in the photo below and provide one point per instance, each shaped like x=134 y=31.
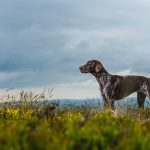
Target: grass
x=27 y=123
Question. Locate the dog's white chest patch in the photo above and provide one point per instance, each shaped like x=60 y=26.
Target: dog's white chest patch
x=105 y=82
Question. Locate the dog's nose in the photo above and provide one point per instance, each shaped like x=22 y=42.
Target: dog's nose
x=80 y=68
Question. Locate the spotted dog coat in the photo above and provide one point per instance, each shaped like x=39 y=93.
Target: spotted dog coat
x=115 y=87
x=107 y=86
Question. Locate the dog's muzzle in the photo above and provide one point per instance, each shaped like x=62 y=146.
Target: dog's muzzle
x=83 y=69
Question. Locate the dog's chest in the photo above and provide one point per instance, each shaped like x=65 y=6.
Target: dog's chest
x=105 y=83
x=108 y=85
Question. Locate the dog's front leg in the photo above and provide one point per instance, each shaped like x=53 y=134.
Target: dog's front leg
x=108 y=103
x=105 y=101
x=111 y=104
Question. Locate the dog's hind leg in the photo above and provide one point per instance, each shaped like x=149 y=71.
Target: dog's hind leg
x=140 y=99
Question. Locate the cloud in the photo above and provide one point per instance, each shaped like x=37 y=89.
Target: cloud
x=4 y=76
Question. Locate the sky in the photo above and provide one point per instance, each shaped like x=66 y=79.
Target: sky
x=43 y=43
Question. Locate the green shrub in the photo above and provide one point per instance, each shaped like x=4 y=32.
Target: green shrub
x=49 y=127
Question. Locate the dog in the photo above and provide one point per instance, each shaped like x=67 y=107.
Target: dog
x=115 y=87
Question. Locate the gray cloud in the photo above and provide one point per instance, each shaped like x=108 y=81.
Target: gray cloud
x=43 y=42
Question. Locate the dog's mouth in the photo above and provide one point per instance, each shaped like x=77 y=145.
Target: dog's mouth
x=83 y=69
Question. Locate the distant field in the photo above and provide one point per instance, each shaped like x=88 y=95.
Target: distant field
x=35 y=125
x=98 y=102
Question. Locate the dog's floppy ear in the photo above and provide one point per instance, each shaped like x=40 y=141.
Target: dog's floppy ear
x=98 y=67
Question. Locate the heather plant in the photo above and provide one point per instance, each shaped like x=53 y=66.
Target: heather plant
x=31 y=122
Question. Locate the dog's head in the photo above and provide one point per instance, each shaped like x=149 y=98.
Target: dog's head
x=92 y=66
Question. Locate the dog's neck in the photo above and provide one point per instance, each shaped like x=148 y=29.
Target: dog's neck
x=100 y=73
x=102 y=77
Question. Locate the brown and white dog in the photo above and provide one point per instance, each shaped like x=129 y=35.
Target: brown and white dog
x=115 y=87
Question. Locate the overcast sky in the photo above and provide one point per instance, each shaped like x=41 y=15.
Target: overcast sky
x=43 y=42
